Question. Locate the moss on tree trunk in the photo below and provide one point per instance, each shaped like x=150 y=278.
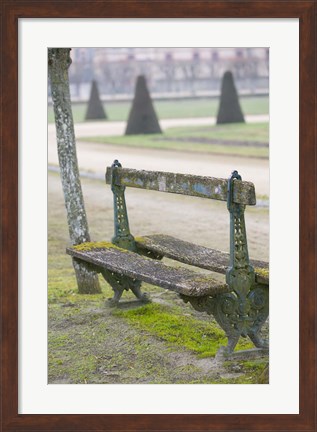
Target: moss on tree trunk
x=58 y=64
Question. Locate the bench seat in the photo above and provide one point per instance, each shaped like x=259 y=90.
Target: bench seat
x=195 y=255
x=121 y=261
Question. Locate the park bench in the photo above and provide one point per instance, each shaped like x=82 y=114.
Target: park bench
x=240 y=303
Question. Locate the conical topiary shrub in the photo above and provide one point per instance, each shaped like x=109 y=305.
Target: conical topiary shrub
x=95 y=109
x=142 y=118
x=229 y=107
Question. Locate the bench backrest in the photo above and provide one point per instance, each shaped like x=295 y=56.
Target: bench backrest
x=237 y=193
x=185 y=184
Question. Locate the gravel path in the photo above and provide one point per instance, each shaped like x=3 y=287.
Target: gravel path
x=117 y=128
x=95 y=157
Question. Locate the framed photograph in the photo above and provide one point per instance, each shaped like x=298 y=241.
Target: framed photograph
x=37 y=392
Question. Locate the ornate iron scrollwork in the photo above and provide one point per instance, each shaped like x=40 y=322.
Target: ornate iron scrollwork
x=244 y=310
x=119 y=283
x=237 y=315
x=123 y=239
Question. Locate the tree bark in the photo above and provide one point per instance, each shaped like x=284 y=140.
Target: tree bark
x=58 y=63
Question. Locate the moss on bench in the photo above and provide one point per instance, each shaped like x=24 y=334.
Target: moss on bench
x=88 y=246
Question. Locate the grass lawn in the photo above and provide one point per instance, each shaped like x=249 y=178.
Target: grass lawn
x=195 y=139
x=119 y=111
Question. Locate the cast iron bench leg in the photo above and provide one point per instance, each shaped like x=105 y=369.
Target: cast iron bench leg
x=258 y=341
x=139 y=294
x=119 y=283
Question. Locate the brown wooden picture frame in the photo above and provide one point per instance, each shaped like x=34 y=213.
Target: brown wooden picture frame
x=12 y=11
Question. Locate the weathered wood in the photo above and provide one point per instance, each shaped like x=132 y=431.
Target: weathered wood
x=121 y=261
x=185 y=184
x=195 y=255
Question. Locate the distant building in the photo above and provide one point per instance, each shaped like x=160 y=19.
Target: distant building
x=170 y=72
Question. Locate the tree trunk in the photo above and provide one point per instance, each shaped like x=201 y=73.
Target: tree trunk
x=58 y=63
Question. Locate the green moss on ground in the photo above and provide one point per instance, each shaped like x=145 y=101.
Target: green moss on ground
x=170 y=325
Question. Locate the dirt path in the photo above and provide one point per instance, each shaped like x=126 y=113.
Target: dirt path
x=95 y=157
x=117 y=128
x=198 y=220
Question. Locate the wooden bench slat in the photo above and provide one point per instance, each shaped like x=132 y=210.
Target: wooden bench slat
x=199 y=256
x=186 y=184
x=130 y=264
